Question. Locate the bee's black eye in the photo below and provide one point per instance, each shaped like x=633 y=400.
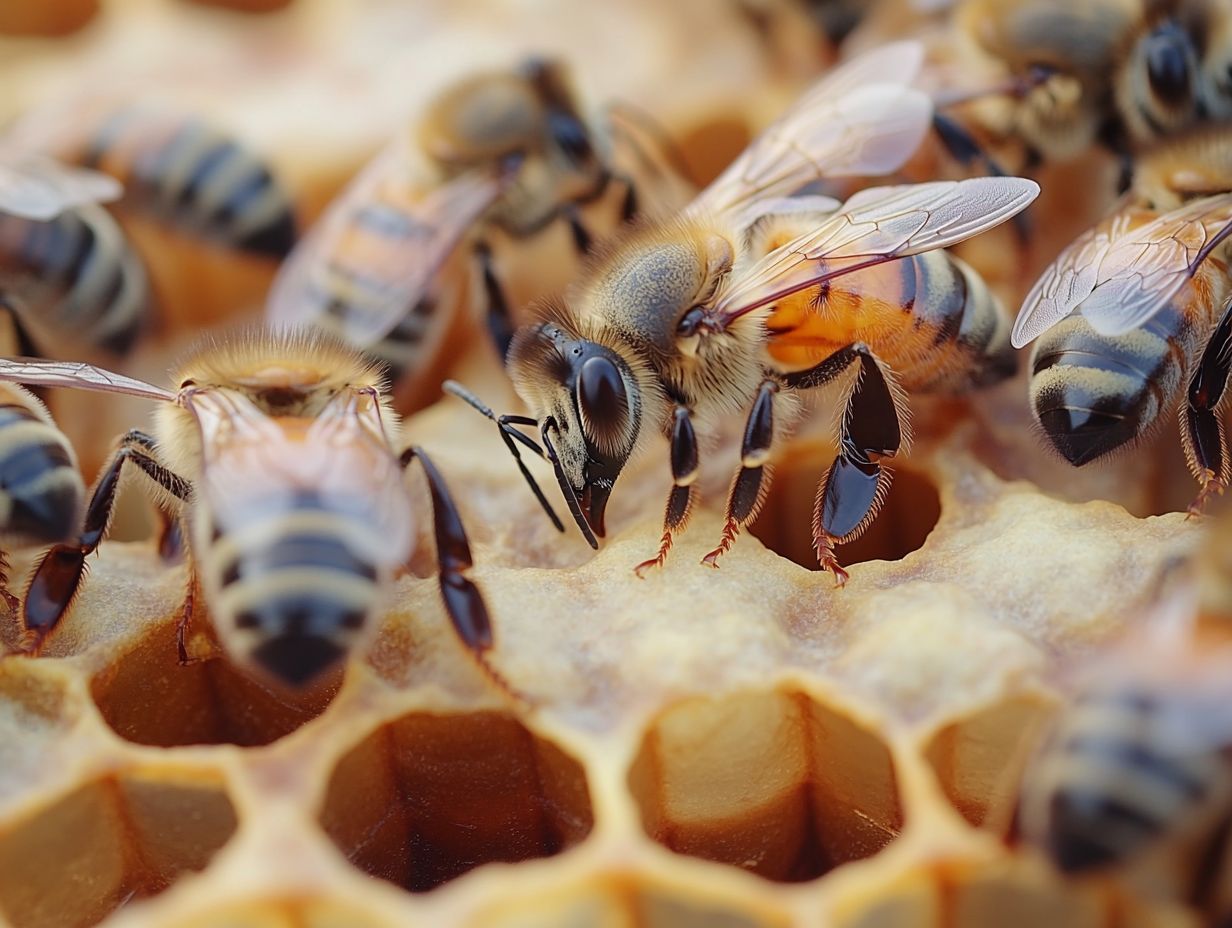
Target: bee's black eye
x=1168 y=64
x=603 y=402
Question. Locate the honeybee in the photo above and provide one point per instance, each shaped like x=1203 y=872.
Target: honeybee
x=41 y=491
x=283 y=455
x=1139 y=759
x=507 y=154
x=67 y=272
x=175 y=167
x=747 y=292
x=1122 y=72
x=1135 y=308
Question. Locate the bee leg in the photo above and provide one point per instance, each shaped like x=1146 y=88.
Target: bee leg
x=511 y=437
x=684 y=475
x=748 y=489
x=1202 y=432
x=583 y=241
x=467 y=611
x=463 y=602
x=58 y=574
x=855 y=484
x=497 y=314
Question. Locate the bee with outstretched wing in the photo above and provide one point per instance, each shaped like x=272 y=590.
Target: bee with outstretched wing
x=750 y=291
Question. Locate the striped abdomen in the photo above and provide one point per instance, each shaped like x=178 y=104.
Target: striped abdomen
x=74 y=277
x=195 y=176
x=354 y=278
x=1111 y=783
x=930 y=317
x=41 y=492
x=1093 y=393
x=297 y=577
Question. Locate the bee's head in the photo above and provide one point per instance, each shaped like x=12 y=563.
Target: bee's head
x=589 y=403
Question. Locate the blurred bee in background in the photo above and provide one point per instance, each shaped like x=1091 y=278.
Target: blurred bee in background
x=508 y=155
x=1122 y=72
x=743 y=294
x=67 y=274
x=174 y=167
x=1139 y=760
x=1138 y=306
x=283 y=456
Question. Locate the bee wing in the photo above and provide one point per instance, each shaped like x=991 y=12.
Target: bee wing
x=644 y=153
x=385 y=242
x=861 y=118
x=342 y=462
x=36 y=187
x=41 y=373
x=874 y=226
x=1118 y=277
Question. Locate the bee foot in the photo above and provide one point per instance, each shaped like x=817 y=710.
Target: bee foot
x=825 y=557
x=665 y=545
x=30 y=643
x=729 y=536
x=1212 y=488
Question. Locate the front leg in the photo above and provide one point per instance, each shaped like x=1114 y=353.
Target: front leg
x=59 y=572
x=684 y=475
x=749 y=488
x=1202 y=433
x=854 y=486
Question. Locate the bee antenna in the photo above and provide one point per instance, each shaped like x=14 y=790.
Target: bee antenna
x=575 y=507
x=509 y=435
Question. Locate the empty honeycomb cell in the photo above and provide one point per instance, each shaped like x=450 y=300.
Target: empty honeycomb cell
x=979 y=760
x=429 y=797
x=114 y=839
x=148 y=697
x=772 y=782
x=785 y=525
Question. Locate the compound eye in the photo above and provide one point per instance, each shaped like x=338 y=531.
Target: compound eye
x=603 y=402
x=1168 y=65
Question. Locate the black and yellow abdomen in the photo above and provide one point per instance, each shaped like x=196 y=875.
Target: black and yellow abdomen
x=297 y=577
x=41 y=492
x=929 y=317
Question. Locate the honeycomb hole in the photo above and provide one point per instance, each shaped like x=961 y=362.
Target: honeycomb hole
x=427 y=798
x=115 y=839
x=979 y=760
x=784 y=524
x=772 y=782
x=148 y=697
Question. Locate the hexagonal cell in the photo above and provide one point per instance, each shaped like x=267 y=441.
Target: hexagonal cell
x=148 y=697
x=121 y=837
x=979 y=759
x=772 y=782
x=784 y=524
x=625 y=900
x=429 y=797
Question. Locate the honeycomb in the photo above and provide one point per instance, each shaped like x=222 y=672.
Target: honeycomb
x=734 y=749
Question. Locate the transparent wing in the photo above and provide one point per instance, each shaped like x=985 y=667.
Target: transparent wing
x=1119 y=277
x=874 y=226
x=375 y=251
x=339 y=461
x=643 y=152
x=36 y=187
x=38 y=372
x=861 y=118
